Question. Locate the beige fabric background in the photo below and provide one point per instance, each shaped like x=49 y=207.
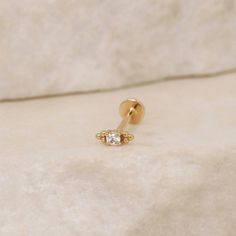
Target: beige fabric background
x=177 y=178
x=61 y=46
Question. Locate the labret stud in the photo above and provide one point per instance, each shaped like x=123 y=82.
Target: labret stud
x=132 y=112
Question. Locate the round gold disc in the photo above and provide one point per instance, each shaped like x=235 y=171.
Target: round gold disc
x=139 y=110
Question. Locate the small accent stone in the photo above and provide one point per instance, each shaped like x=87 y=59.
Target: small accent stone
x=113 y=138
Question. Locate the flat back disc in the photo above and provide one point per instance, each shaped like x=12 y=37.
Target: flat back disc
x=138 y=108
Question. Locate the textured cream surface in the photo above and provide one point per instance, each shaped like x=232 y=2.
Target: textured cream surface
x=177 y=178
x=61 y=46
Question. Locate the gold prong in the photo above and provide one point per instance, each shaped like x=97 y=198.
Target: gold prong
x=126 y=140
x=98 y=136
x=130 y=137
x=103 y=139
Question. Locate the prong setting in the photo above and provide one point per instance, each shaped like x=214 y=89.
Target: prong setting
x=114 y=137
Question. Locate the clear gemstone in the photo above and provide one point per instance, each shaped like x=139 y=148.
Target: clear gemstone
x=113 y=138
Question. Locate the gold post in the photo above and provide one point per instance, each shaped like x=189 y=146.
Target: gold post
x=126 y=120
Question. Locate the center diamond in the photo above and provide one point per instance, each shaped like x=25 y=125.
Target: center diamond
x=113 y=138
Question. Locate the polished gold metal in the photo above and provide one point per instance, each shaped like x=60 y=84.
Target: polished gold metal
x=132 y=112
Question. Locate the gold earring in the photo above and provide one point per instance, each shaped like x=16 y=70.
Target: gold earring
x=132 y=112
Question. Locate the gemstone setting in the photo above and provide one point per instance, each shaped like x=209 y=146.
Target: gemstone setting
x=113 y=138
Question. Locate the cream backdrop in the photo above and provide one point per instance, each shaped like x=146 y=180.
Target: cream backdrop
x=59 y=46
x=177 y=178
